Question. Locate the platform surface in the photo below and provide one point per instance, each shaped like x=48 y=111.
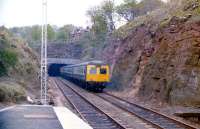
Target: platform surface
x=40 y=117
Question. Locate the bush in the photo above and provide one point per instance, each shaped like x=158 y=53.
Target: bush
x=7 y=59
x=11 y=93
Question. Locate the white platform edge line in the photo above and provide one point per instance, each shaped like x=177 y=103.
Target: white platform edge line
x=8 y=108
x=35 y=105
x=64 y=115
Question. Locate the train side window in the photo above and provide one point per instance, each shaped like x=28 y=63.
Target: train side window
x=103 y=71
x=93 y=71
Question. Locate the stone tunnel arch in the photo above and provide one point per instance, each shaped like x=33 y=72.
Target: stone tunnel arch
x=54 y=65
x=54 y=69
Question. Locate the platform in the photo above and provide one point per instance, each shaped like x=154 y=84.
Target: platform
x=40 y=117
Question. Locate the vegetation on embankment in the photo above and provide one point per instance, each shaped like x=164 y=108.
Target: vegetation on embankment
x=18 y=68
x=11 y=92
x=8 y=59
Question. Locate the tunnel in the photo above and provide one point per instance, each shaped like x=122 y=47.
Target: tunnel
x=54 y=69
x=54 y=65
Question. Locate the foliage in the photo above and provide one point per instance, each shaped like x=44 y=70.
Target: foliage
x=64 y=33
x=102 y=18
x=36 y=33
x=50 y=33
x=99 y=24
x=108 y=9
x=146 y=6
x=126 y=9
x=11 y=92
x=130 y=9
x=18 y=65
x=32 y=34
x=23 y=32
x=7 y=59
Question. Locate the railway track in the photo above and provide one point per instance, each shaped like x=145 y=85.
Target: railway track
x=156 y=119
x=91 y=114
x=148 y=116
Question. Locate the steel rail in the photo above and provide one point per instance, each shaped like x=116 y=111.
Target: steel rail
x=84 y=99
x=179 y=123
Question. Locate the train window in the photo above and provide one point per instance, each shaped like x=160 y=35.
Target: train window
x=93 y=71
x=103 y=71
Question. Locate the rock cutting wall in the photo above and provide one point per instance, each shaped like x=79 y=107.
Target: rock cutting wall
x=173 y=71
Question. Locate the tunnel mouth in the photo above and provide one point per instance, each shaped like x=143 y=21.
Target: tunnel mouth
x=54 y=69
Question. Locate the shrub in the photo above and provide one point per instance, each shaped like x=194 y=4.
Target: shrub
x=7 y=59
x=11 y=93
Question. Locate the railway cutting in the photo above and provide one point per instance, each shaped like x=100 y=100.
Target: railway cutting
x=100 y=64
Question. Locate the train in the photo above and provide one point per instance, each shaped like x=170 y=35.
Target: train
x=92 y=75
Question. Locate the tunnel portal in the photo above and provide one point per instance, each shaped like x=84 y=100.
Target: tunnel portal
x=54 y=69
x=54 y=65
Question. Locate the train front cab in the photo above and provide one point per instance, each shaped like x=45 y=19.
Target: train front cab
x=98 y=76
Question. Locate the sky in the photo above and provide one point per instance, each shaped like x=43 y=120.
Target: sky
x=60 y=12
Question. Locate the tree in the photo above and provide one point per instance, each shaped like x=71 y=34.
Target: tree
x=130 y=9
x=99 y=23
x=108 y=9
x=127 y=9
x=64 y=33
x=103 y=17
x=148 y=5
x=36 y=33
x=8 y=58
x=50 y=33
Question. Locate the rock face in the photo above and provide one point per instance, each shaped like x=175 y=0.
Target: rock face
x=161 y=63
x=173 y=71
x=127 y=58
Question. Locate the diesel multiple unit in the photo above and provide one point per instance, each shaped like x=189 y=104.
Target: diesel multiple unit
x=91 y=75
